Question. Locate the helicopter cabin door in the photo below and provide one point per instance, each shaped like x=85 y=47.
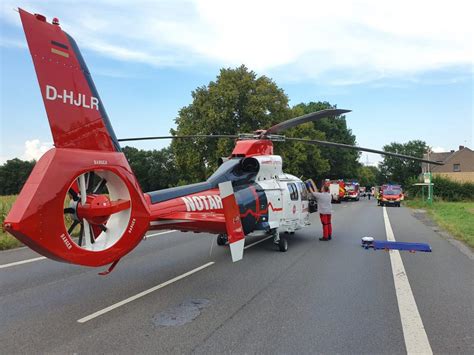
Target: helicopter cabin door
x=291 y=206
x=273 y=192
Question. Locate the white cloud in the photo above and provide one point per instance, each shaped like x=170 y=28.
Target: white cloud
x=439 y=150
x=7 y=42
x=34 y=149
x=341 y=42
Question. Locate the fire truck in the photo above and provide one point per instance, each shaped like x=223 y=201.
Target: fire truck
x=352 y=191
x=337 y=189
x=391 y=195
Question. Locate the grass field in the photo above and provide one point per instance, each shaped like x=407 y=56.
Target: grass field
x=6 y=240
x=455 y=217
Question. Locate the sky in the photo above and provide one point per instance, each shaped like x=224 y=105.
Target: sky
x=404 y=68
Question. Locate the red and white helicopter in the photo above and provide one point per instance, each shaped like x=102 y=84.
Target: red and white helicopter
x=82 y=203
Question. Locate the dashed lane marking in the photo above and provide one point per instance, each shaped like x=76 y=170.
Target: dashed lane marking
x=4 y=266
x=141 y=294
x=157 y=234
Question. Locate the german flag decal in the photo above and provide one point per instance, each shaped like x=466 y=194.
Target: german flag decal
x=60 y=49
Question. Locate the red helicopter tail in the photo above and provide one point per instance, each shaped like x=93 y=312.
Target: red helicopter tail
x=75 y=111
x=82 y=203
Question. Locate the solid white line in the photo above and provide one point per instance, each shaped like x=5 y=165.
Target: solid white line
x=22 y=262
x=161 y=233
x=416 y=340
x=253 y=244
x=141 y=294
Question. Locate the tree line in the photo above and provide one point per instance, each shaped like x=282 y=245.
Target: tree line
x=239 y=101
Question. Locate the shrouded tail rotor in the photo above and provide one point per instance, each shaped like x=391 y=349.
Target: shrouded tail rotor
x=98 y=210
x=88 y=210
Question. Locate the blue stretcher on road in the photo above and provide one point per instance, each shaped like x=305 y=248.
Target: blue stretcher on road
x=369 y=242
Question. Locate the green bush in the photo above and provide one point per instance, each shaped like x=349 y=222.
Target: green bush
x=444 y=189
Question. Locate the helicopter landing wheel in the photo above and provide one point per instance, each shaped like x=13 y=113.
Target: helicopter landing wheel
x=222 y=239
x=283 y=245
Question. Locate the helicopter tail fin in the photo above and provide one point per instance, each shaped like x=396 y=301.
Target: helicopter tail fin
x=76 y=114
x=81 y=204
x=235 y=232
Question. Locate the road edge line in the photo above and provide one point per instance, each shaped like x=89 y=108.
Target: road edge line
x=414 y=333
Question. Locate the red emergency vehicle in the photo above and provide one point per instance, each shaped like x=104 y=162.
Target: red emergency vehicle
x=352 y=191
x=391 y=195
x=337 y=189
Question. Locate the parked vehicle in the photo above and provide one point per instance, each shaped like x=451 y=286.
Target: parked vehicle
x=391 y=195
x=336 y=189
x=352 y=191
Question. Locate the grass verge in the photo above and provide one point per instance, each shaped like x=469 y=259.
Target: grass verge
x=455 y=217
x=6 y=240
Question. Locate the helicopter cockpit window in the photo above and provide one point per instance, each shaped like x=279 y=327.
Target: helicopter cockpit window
x=293 y=191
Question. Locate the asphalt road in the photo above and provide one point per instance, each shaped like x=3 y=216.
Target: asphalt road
x=319 y=297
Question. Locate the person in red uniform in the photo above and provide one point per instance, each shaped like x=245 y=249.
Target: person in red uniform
x=325 y=211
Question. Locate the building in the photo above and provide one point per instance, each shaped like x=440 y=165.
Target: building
x=458 y=165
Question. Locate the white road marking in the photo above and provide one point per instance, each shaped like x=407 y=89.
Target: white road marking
x=157 y=234
x=141 y=294
x=22 y=262
x=262 y=240
x=43 y=257
x=416 y=340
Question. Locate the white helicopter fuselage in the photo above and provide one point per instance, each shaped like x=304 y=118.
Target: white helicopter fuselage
x=287 y=196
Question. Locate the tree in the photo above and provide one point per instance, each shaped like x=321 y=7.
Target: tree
x=368 y=176
x=301 y=159
x=154 y=169
x=397 y=170
x=237 y=102
x=240 y=102
x=343 y=163
x=13 y=175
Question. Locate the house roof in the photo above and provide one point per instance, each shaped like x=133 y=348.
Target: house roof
x=439 y=157
x=446 y=158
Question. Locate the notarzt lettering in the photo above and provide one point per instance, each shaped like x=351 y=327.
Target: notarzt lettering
x=72 y=98
x=199 y=203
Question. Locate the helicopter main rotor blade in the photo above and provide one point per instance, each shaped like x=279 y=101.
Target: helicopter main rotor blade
x=313 y=116
x=353 y=147
x=179 y=137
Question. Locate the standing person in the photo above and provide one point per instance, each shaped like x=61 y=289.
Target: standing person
x=325 y=211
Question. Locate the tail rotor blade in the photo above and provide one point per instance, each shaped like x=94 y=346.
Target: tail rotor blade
x=99 y=186
x=73 y=194
x=91 y=230
x=90 y=181
x=81 y=235
x=87 y=234
x=71 y=228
